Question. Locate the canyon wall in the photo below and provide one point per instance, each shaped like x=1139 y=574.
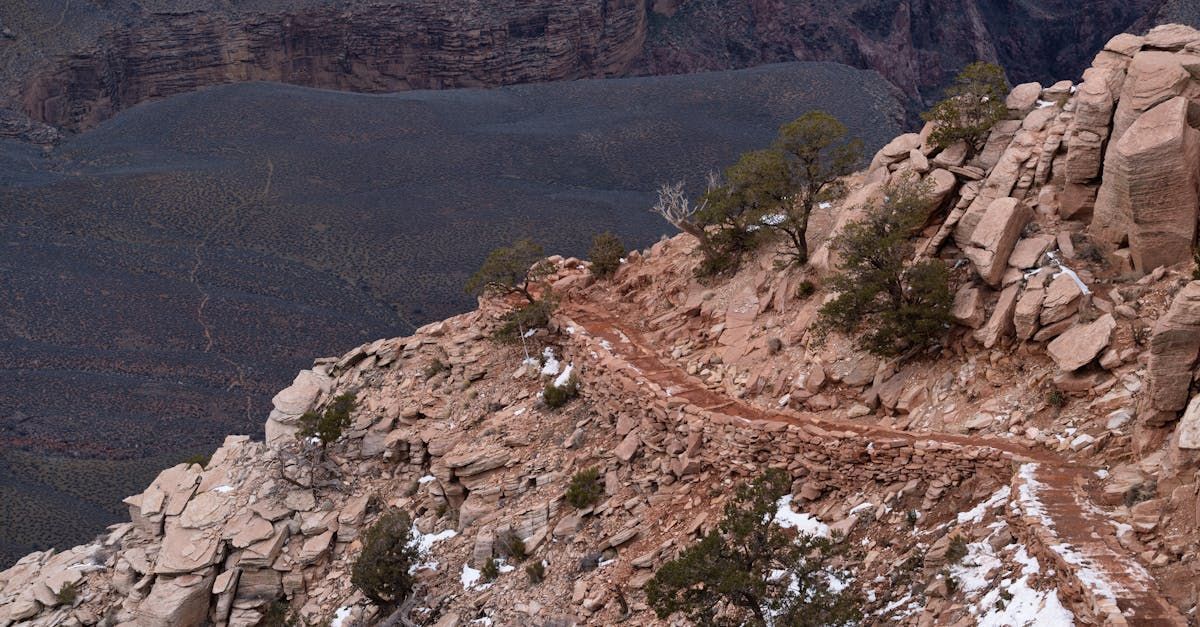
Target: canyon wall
x=72 y=67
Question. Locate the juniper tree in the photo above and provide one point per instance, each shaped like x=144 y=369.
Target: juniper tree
x=973 y=104
x=891 y=305
x=510 y=270
x=382 y=571
x=751 y=571
x=818 y=154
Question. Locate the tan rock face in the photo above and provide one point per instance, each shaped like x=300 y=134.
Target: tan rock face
x=1089 y=130
x=993 y=239
x=1081 y=344
x=1174 y=346
x=1149 y=195
x=1154 y=77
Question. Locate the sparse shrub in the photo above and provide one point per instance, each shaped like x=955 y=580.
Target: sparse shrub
x=328 y=425
x=513 y=547
x=805 y=289
x=490 y=570
x=1196 y=261
x=200 y=459
x=1143 y=491
x=751 y=571
x=556 y=396
x=382 y=569
x=1055 y=398
x=952 y=583
x=957 y=550
x=605 y=254
x=536 y=571
x=585 y=488
x=892 y=306
x=530 y=316
x=973 y=104
x=67 y=594
x=279 y=613
x=774 y=345
x=434 y=368
x=911 y=517
x=510 y=270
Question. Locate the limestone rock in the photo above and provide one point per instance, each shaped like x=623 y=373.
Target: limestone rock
x=1028 y=251
x=1082 y=344
x=1149 y=193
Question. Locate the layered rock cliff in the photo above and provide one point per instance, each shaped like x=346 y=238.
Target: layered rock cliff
x=73 y=66
x=1052 y=439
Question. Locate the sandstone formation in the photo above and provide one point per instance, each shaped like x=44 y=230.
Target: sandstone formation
x=1004 y=480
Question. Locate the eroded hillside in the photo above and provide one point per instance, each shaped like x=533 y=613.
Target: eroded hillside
x=1039 y=467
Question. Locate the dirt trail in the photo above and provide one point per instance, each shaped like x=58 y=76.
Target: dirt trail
x=1053 y=487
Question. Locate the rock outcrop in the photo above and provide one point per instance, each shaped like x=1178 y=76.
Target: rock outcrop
x=689 y=388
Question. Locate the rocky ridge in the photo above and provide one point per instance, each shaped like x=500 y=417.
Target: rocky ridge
x=1054 y=436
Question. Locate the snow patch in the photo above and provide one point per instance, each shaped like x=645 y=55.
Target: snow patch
x=803 y=523
x=425 y=541
x=975 y=514
x=223 y=489
x=551 y=366
x=426 y=479
x=564 y=377
x=340 y=616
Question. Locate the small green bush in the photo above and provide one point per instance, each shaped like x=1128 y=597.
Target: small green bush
x=435 y=368
x=329 y=425
x=1056 y=399
x=536 y=571
x=585 y=488
x=530 y=316
x=382 y=569
x=957 y=550
x=973 y=104
x=490 y=570
x=67 y=594
x=556 y=396
x=513 y=547
x=200 y=459
x=806 y=289
x=510 y=270
x=605 y=254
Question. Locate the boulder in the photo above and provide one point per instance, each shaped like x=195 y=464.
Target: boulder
x=1025 y=315
x=187 y=550
x=1125 y=44
x=1174 y=346
x=1149 y=195
x=999 y=184
x=291 y=403
x=1154 y=77
x=1062 y=299
x=176 y=602
x=1088 y=130
x=1000 y=324
x=952 y=156
x=1081 y=344
x=896 y=150
x=1029 y=251
x=993 y=239
x=1171 y=37
x=968 y=307
x=1189 y=426
x=628 y=447
x=1023 y=98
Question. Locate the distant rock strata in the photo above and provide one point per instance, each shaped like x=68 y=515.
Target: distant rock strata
x=71 y=67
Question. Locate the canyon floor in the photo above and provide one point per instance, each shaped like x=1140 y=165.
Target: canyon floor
x=165 y=273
